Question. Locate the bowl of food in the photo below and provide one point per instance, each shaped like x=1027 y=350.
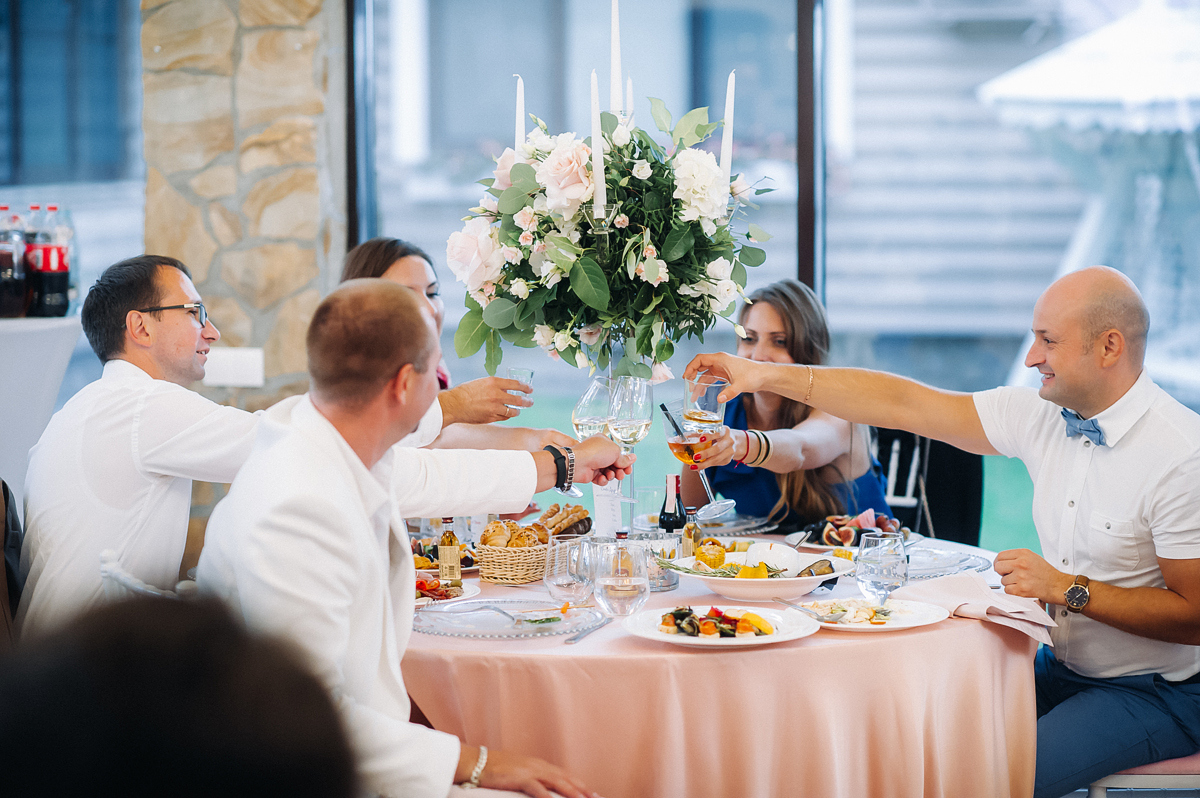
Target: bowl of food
x=760 y=574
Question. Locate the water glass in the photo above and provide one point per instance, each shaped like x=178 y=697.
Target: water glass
x=568 y=574
x=667 y=546
x=649 y=502
x=702 y=411
x=881 y=565
x=621 y=581
x=521 y=375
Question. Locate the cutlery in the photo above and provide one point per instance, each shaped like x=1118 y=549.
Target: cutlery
x=832 y=617
x=575 y=638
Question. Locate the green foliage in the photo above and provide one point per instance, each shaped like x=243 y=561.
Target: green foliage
x=471 y=332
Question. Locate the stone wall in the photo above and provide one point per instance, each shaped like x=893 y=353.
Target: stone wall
x=244 y=116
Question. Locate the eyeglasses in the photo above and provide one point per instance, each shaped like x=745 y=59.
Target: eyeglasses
x=202 y=312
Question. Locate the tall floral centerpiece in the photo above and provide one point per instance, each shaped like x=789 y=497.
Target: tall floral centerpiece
x=660 y=261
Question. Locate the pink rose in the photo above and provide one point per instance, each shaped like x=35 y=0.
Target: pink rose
x=565 y=175
x=473 y=254
x=511 y=254
x=649 y=251
x=504 y=165
x=539 y=247
x=526 y=239
x=525 y=218
x=621 y=221
x=590 y=335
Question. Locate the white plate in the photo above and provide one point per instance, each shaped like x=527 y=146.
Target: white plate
x=767 y=589
x=795 y=538
x=469 y=591
x=494 y=619
x=788 y=624
x=905 y=615
x=930 y=563
x=740 y=525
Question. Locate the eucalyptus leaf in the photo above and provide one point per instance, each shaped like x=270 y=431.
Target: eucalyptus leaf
x=494 y=353
x=512 y=200
x=522 y=173
x=703 y=131
x=487 y=181
x=738 y=275
x=608 y=122
x=758 y=234
x=752 y=256
x=758 y=191
x=517 y=337
x=602 y=359
x=589 y=283
x=471 y=304
x=500 y=313
x=495 y=192
x=660 y=114
x=687 y=124
x=679 y=243
x=664 y=350
x=472 y=332
x=641 y=370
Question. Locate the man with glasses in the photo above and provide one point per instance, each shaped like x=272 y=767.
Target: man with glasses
x=114 y=468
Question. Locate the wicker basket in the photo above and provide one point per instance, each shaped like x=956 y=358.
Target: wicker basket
x=516 y=566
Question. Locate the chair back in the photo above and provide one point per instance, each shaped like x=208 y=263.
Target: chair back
x=932 y=487
x=120 y=584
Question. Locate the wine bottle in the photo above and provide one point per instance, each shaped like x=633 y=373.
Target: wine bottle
x=449 y=565
x=671 y=517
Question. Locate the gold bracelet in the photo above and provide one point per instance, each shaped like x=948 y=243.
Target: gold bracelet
x=808 y=393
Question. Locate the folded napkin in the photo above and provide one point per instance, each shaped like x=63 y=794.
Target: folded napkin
x=968 y=595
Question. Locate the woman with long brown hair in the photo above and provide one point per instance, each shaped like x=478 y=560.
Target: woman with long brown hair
x=778 y=457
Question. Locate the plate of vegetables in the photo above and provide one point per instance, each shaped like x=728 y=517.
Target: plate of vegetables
x=721 y=627
x=432 y=590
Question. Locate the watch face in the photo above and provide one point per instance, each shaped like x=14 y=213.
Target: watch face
x=1077 y=596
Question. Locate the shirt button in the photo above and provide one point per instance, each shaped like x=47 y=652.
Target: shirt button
x=1107 y=525
x=1065 y=562
x=1070 y=504
x=1086 y=444
x=1064 y=613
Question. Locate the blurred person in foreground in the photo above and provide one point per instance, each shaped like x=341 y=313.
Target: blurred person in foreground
x=310 y=541
x=1115 y=463
x=156 y=697
x=802 y=464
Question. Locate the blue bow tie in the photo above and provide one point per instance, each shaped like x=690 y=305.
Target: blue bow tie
x=1077 y=426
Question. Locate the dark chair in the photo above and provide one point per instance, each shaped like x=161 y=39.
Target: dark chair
x=933 y=488
x=10 y=574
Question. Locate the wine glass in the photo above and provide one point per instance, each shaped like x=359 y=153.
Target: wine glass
x=684 y=444
x=630 y=414
x=881 y=565
x=590 y=417
x=568 y=574
x=622 y=584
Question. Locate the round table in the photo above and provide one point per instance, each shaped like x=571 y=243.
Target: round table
x=943 y=710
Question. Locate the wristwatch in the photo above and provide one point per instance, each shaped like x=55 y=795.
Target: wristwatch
x=1077 y=595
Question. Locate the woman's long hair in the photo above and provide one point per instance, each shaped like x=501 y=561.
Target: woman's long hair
x=373 y=258
x=805 y=491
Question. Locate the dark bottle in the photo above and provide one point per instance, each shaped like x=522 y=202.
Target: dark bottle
x=671 y=517
x=12 y=265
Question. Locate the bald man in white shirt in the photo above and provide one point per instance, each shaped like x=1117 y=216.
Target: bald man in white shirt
x=1115 y=463
x=311 y=542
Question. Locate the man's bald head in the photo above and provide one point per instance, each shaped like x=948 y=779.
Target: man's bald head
x=1107 y=300
x=360 y=337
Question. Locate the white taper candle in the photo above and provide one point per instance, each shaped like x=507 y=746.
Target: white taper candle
x=727 y=135
x=520 y=129
x=629 y=98
x=599 y=198
x=614 y=86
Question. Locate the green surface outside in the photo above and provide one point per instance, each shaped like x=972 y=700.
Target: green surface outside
x=1007 y=489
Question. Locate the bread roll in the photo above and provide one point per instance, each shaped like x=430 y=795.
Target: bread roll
x=495 y=534
x=523 y=539
x=543 y=534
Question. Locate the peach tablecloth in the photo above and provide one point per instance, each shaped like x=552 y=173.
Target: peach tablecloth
x=944 y=710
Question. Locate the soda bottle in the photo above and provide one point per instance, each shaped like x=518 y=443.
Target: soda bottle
x=12 y=265
x=48 y=277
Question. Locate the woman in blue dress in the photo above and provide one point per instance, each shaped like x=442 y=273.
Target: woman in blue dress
x=777 y=457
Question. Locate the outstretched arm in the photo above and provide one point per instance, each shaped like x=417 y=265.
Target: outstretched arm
x=857 y=395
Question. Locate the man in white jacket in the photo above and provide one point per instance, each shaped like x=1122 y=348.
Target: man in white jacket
x=311 y=542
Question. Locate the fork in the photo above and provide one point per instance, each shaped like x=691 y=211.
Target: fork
x=832 y=617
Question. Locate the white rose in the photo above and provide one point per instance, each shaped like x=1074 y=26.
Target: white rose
x=538 y=140
x=722 y=294
x=641 y=170
x=563 y=340
x=620 y=136
x=720 y=269
x=543 y=336
x=687 y=290
x=519 y=288
x=698 y=184
x=525 y=218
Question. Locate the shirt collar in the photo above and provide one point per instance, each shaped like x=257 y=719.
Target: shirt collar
x=1121 y=415
x=124 y=371
x=371 y=483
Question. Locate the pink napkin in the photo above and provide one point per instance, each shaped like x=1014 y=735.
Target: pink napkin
x=968 y=595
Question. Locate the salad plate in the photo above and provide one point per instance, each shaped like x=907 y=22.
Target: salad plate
x=904 y=614
x=788 y=587
x=787 y=624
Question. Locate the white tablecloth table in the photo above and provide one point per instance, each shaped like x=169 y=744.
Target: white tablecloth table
x=944 y=710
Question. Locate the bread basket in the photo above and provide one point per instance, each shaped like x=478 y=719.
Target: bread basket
x=511 y=566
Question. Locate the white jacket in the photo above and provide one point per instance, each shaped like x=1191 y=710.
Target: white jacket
x=312 y=545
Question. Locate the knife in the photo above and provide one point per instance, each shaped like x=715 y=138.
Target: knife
x=575 y=638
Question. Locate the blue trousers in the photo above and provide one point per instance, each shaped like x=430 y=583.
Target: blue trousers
x=1091 y=728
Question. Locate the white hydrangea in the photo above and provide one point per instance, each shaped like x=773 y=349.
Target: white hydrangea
x=698 y=181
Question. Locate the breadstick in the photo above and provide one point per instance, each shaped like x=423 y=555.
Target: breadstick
x=549 y=512
x=578 y=514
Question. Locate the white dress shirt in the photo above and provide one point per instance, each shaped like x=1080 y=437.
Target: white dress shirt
x=1108 y=512
x=114 y=470
x=311 y=544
